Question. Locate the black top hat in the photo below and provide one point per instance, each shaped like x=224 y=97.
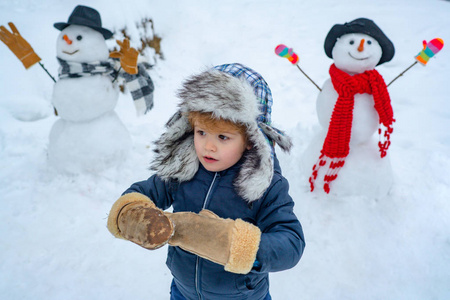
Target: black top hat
x=85 y=16
x=365 y=26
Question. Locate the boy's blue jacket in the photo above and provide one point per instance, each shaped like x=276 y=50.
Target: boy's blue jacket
x=282 y=240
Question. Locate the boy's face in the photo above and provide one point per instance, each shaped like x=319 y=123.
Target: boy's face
x=217 y=151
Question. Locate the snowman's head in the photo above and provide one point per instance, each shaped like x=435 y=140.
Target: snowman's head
x=338 y=34
x=81 y=44
x=355 y=53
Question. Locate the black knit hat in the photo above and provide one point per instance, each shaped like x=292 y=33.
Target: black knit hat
x=365 y=26
x=85 y=16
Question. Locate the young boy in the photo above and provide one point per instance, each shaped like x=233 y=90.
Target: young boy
x=233 y=219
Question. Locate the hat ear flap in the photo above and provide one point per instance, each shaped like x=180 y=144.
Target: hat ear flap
x=173 y=119
x=175 y=155
x=277 y=136
x=256 y=172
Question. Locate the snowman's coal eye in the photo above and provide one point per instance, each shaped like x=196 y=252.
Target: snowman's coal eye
x=369 y=42
x=351 y=42
x=79 y=37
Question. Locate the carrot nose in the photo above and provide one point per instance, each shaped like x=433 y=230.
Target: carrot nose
x=66 y=38
x=361 y=46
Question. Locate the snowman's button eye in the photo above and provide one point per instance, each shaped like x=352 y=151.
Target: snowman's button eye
x=351 y=42
x=79 y=37
x=369 y=42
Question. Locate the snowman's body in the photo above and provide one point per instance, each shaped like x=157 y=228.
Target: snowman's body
x=89 y=136
x=85 y=98
x=364 y=171
x=365 y=117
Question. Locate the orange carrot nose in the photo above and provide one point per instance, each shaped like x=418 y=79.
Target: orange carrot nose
x=361 y=46
x=66 y=38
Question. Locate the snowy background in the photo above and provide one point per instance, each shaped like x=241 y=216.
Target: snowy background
x=54 y=242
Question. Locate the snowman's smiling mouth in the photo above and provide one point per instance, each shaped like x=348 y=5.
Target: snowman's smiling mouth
x=364 y=58
x=70 y=53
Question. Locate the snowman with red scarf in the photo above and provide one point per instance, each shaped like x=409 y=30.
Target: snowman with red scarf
x=352 y=105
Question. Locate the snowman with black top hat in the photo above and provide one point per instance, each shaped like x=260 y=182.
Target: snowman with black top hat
x=352 y=105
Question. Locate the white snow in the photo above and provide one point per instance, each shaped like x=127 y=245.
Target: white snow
x=55 y=244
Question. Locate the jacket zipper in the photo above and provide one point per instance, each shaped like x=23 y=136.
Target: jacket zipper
x=197 y=273
x=209 y=191
x=197 y=283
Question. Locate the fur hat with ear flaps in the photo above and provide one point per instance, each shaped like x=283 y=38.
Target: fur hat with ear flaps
x=232 y=92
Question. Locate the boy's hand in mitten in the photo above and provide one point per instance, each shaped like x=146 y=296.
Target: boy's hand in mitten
x=231 y=243
x=128 y=56
x=18 y=45
x=135 y=217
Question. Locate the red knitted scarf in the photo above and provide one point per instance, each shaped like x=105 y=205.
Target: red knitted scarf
x=336 y=145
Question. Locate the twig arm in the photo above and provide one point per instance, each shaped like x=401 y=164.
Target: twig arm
x=47 y=71
x=54 y=109
x=308 y=77
x=401 y=74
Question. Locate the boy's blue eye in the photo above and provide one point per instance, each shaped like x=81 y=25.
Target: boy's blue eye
x=200 y=132
x=222 y=137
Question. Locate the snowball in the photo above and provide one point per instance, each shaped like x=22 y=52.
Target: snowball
x=364 y=173
x=347 y=57
x=86 y=45
x=92 y=146
x=84 y=98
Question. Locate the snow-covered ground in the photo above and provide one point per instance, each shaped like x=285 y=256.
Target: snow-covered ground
x=55 y=244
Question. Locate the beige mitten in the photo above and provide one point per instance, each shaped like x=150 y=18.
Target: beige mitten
x=135 y=217
x=128 y=56
x=231 y=243
x=18 y=45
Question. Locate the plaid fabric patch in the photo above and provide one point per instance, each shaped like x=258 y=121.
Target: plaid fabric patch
x=260 y=87
x=141 y=88
x=69 y=69
x=262 y=92
x=140 y=85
